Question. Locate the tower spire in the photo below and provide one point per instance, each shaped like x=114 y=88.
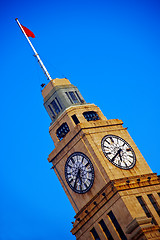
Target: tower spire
x=24 y=30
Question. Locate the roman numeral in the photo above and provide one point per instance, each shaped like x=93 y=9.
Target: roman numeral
x=107 y=141
x=111 y=139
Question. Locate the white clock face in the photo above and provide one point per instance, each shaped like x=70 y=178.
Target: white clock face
x=79 y=172
x=118 y=152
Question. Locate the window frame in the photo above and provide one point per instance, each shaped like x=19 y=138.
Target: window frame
x=94 y=234
x=75 y=119
x=116 y=225
x=64 y=126
x=90 y=116
x=105 y=230
x=55 y=106
x=146 y=209
x=154 y=203
x=52 y=111
x=73 y=97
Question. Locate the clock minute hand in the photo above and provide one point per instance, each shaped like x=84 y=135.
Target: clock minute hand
x=77 y=176
x=118 y=153
x=80 y=179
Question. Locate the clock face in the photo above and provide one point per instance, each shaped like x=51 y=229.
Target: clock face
x=118 y=152
x=79 y=172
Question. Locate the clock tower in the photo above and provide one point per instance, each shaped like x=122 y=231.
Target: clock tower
x=111 y=187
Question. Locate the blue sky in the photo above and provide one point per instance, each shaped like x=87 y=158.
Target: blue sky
x=110 y=50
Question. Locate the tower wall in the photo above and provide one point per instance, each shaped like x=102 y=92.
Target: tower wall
x=111 y=187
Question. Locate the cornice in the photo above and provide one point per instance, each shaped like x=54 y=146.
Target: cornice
x=107 y=192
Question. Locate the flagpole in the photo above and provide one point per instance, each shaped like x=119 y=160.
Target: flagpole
x=36 y=54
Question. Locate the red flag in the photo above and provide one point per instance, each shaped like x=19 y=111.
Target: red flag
x=28 y=32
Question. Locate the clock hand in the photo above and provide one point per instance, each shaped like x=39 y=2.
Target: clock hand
x=80 y=179
x=116 y=155
x=121 y=157
x=77 y=176
x=120 y=154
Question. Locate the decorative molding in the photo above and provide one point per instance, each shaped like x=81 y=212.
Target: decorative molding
x=107 y=192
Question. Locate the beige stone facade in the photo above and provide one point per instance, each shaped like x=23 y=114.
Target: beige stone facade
x=111 y=208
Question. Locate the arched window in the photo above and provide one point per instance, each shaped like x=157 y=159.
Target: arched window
x=91 y=116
